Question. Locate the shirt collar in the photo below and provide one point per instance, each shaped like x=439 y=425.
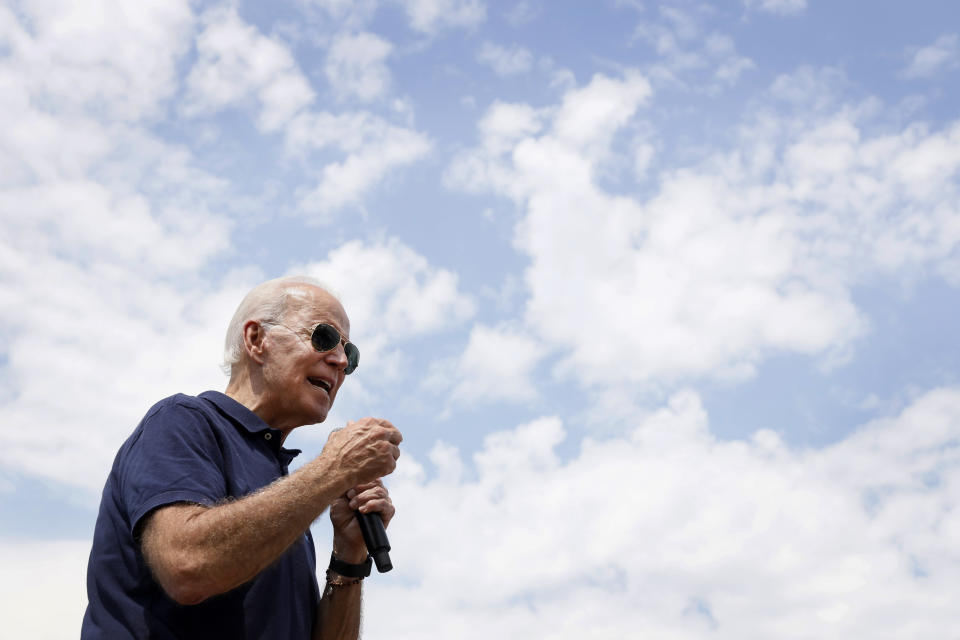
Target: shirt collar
x=250 y=421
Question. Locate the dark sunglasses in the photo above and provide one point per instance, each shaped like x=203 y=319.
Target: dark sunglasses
x=326 y=338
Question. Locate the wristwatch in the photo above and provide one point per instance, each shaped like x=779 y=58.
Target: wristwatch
x=348 y=570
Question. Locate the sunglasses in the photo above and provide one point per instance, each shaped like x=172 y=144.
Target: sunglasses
x=326 y=338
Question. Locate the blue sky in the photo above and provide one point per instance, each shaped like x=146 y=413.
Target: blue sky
x=661 y=294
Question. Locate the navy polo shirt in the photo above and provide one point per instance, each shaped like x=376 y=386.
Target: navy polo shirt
x=205 y=450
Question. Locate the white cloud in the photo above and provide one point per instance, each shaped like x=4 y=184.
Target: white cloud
x=374 y=148
x=431 y=16
x=109 y=224
x=522 y=13
x=753 y=251
x=496 y=365
x=505 y=61
x=667 y=532
x=355 y=66
x=731 y=65
x=782 y=7
x=104 y=56
x=235 y=63
x=69 y=92
x=42 y=588
x=812 y=89
x=347 y=12
x=942 y=55
x=691 y=56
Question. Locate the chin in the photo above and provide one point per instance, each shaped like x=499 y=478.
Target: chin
x=320 y=415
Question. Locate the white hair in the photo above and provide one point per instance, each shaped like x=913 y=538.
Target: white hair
x=266 y=303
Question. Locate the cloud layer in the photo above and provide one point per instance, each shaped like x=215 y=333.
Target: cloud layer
x=668 y=532
x=745 y=253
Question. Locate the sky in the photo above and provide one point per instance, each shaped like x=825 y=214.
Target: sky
x=662 y=295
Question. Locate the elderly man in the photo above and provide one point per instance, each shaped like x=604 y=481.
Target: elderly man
x=202 y=533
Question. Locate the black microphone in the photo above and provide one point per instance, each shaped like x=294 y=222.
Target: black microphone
x=371 y=526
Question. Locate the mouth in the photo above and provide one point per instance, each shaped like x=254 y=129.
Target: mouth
x=320 y=382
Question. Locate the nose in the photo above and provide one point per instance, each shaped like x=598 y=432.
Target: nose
x=337 y=357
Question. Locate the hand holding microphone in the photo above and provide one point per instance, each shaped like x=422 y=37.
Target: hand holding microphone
x=371 y=524
x=371 y=446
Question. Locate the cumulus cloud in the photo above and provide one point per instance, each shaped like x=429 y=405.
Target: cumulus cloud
x=522 y=13
x=104 y=56
x=781 y=7
x=690 y=54
x=110 y=222
x=753 y=251
x=373 y=147
x=42 y=591
x=731 y=65
x=348 y=12
x=67 y=90
x=942 y=55
x=236 y=64
x=665 y=531
x=431 y=16
x=355 y=66
x=505 y=61
x=495 y=366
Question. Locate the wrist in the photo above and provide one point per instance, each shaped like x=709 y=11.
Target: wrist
x=349 y=553
x=349 y=569
x=327 y=469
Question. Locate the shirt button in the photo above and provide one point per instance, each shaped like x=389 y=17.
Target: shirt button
x=267 y=435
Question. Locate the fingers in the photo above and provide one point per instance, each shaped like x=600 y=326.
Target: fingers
x=389 y=432
x=371 y=497
x=365 y=449
x=364 y=486
x=362 y=494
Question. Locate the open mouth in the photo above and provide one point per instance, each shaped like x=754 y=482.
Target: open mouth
x=317 y=382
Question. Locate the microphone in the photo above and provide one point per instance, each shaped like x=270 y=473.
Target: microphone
x=371 y=526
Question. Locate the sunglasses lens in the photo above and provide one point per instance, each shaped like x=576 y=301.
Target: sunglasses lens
x=353 y=357
x=325 y=337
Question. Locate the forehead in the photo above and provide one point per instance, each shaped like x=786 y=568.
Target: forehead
x=310 y=305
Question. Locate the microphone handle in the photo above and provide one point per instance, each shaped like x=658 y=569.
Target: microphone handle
x=371 y=525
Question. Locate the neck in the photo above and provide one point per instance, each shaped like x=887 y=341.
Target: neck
x=248 y=390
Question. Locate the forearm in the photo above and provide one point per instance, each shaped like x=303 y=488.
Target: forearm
x=338 y=612
x=212 y=550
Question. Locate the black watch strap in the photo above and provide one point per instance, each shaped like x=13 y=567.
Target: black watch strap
x=348 y=570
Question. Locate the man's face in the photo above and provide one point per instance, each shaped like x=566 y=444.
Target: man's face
x=302 y=382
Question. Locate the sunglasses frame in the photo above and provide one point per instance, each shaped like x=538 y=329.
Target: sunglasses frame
x=352 y=362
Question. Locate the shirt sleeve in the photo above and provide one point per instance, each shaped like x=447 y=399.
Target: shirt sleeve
x=175 y=458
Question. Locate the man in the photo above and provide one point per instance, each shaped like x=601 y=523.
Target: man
x=201 y=531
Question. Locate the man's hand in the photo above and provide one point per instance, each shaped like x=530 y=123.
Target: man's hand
x=348 y=544
x=363 y=451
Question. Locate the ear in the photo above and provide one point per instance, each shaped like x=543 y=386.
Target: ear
x=253 y=336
